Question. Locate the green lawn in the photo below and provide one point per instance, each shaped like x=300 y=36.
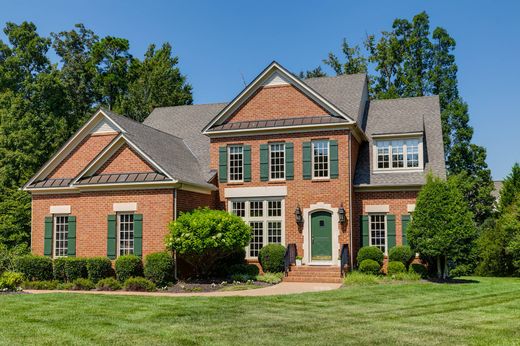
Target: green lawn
x=485 y=313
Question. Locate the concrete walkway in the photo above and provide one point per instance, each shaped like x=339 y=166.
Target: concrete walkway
x=280 y=289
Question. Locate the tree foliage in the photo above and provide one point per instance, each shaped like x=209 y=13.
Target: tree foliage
x=442 y=226
x=510 y=190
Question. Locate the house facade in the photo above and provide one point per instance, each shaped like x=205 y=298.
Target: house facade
x=312 y=163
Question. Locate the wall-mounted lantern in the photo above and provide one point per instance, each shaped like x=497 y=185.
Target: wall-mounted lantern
x=342 y=215
x=298 y=215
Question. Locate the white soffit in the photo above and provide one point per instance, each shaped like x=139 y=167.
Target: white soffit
x=383 y=208
x=125 y=207
x=244 y=192
x=59 y=209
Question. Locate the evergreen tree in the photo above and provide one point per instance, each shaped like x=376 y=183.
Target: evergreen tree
x=511 y=188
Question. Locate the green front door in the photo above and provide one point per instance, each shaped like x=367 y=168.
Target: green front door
x=321 y=236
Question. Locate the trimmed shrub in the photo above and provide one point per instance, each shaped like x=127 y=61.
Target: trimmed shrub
x=370 y=252
x=369 y=266
x=159 y=268
x=270 y=278
x=400 y=253
x=139 y=285
x=242 y=277
x=128 y=266
x=108 y=284
x=34 y=268
x=271 y=258
x=99 y=268
x=68 y=269
x=395 y=267
x=40 y=285
x=65 y=286
x=247 y=269
x=82 y=284
x=10 y=281
x=418 y=268
x=358 y=278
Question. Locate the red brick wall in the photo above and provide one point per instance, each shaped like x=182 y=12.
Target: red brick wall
x=299 y=191
x=274 y=102
x=398 y=202
x=187 y=201
x=81 y=156
x=125 y=160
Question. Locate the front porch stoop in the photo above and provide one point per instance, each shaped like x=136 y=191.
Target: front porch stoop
x=309 y=273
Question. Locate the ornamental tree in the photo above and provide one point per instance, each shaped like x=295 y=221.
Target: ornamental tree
x=204 y=236
x=442 y=226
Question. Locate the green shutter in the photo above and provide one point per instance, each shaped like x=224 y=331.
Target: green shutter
x=333 y=147
x=247 y=163
x=390 y=231
x=111 y=239
x=364 y=230
x=307 y=160
x=264 y=162
x=138 y=234
x=289 y=161
x=71 y=237
x=405 y=219
x=222 y=164
x=47 y=240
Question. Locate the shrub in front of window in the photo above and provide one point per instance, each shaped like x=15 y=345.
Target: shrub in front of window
x=247 y=269
x=139 y=285
x=82 y=284
x=11 y=281
x=68 y=269
x=108 y=284
x=400 y=253
x=99 y=268
x=159 y=268
x=395 y=267
x=203 y=237
x=128 y=266
x=34 y=268
x=271 y=258
x=370 y=252
x=41 y=285
x=369 y=266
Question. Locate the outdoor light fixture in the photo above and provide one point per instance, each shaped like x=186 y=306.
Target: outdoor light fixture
x=298 y=215
x=341 y=213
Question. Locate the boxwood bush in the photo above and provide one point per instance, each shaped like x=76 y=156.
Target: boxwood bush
x=82 y=284
x=369 y=266
x=159 y=268
x=370 y=252
x=139 y=284
x=99 y=268
x=395 y=267
x=128 y=266
x=108 y=284
x=271 y=258
x=400 y=253
x=68 y=269
x=34 y=268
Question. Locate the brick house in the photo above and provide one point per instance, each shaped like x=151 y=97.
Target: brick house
x=312 y=162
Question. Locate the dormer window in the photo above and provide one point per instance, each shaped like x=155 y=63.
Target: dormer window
x=398 y=154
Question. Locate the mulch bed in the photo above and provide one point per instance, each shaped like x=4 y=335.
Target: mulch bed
x=205 y=286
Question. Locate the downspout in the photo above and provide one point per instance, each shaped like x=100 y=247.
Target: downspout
x=175 y=218
x=350 y=199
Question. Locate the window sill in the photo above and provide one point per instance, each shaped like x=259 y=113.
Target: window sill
x=235 y=183
x=320 y=180
x=276 y=182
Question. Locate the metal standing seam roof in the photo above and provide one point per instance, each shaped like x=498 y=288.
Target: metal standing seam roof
x=123 y=178
x=244 y=125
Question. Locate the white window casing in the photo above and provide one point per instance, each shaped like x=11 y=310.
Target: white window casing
x=382 y=208
x=399 y=154
x=377 y=232
x=320 y=154
x=261 y=191
x=276 y=161
x=60 y=209
x=61 y=235
x=235 y=164
x=410 y=208
x=125 y=234
x=122 y=207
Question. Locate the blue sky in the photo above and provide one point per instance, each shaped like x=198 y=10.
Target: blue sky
x=222 y=43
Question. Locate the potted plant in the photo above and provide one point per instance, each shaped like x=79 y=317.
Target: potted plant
x=298 y=261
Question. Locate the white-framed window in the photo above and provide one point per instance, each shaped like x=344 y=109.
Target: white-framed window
x=320 y=159
x=402 y=154
x=236 y=163
x=266 y=218
x=277 y=161
x=61 y=235
x=377 y=231
x=125 y=234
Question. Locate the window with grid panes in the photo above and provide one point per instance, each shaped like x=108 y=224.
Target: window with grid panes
x=398 y=154
x=61 y=234
x=320 y=159
x=277 y=161
x=126 y=234
x=236 y=163
x=378 y=231
x=412 y=153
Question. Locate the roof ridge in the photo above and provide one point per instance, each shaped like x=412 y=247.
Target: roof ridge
x=194 y=104
x=407 y=98
x=337 y=76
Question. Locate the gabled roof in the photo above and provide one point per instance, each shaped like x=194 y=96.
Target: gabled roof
x=273 y=68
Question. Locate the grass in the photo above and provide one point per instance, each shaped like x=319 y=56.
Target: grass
x=484 y=312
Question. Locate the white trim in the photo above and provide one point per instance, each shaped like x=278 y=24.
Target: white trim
x=258 y=82
x=386 y=230
x=328 y=159
x=403 y=169
x=307 y=212
x=124 y=207
x=261 y=191
x=383 y=208
x=398 y=135
x=284 y=161
x=59 y=209
x=410 y=208
x=228 y=171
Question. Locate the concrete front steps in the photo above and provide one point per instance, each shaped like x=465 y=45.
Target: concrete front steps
x=307 y=273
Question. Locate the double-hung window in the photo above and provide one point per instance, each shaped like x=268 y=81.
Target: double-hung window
x=125 y=231
x=398 y=154
x=61 y=234
x=320 y=159
x=236 y=163
x=266 y=219
x=377 y=231
x=277 y=161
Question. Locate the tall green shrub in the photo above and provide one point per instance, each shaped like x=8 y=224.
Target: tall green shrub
x=370 y=252
x=271 y=258
x=34 y=268
x=99 y=268
x=400 y=253
x=159 y=268
x=128 y=266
